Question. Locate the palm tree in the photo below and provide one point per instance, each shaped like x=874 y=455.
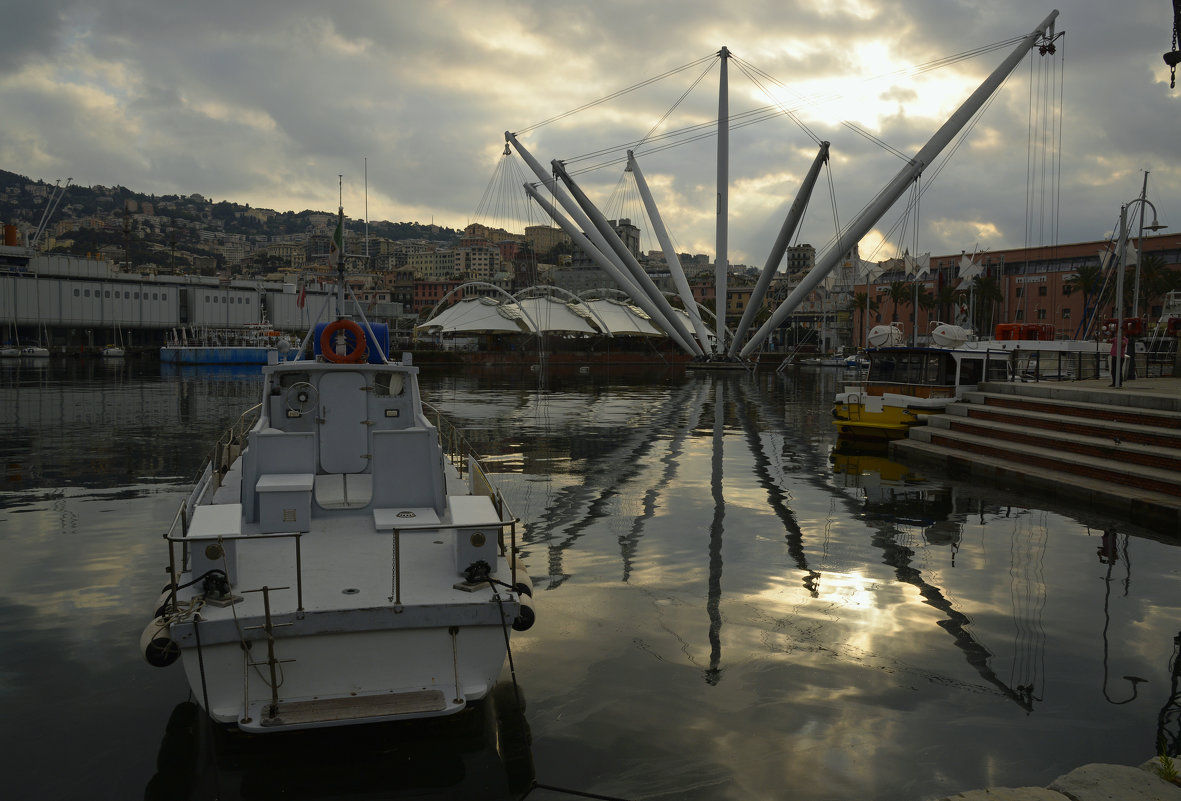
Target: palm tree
x=927 y=302
x=1156 y=280
x=988 y=295
x=899 y=293
x=946 y=298
x=863 y=304
x=1088 y=279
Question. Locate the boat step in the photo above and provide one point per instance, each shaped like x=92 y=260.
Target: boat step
x=333 y=711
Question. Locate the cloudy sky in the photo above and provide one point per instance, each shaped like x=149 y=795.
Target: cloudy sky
x=267 y=102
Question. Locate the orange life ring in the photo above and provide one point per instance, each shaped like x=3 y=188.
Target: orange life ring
x=356 y=354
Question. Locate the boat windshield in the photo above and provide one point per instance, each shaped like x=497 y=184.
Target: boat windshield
x=912 y=367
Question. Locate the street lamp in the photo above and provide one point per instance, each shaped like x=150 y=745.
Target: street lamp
x=1121 y=340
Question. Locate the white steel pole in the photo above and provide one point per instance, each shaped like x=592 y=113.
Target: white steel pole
x=670 y=253
x=779 y=248
x=893 y=190
x=721 y=264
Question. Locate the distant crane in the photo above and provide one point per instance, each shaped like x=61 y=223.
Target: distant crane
x=1173 y=57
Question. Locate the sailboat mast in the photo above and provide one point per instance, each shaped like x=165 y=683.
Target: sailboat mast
x=720 y=259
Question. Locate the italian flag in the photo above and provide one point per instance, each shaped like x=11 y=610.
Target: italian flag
x=336 y=249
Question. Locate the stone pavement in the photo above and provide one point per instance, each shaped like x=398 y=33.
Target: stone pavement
x=1089 y=783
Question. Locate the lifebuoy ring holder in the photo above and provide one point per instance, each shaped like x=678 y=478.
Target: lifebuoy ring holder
x=356 y=354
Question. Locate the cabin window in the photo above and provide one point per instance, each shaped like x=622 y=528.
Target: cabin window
x=933 y=371
x=997 y=369
x=883 y=368
x=971 y=371
x=389 y=385
x=155 y=296
x=77 y=292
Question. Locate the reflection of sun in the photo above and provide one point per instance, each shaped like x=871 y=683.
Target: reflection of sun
x=848 y=590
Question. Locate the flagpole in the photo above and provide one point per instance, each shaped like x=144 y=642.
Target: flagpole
x=338 y=239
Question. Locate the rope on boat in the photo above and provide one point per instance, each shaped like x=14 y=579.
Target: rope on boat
x=512 y=669
x=205 y=695
x=565 y=791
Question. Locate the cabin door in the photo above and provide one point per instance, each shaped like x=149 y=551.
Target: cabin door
x=344 y=437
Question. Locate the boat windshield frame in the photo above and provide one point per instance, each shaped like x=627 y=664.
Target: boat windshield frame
x=936 y=367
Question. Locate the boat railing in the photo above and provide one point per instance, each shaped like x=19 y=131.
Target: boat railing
x=463 y=457
x=1033 y=365
x=229 y=445
x=466 y=461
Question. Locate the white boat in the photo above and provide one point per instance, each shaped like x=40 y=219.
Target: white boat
x=34 y=352
x=113 y=352
x=906 y=384
x=334 y=564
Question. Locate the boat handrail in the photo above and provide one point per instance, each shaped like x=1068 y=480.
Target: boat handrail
x=460 y=452
x=225 y=451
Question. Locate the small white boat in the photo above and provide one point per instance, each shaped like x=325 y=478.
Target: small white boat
x=113 y=352
x=34 y=352
x=334 y=564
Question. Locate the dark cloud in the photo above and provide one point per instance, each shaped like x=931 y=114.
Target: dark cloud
x=267 y=102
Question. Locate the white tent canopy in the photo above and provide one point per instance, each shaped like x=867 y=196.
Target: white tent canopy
x=547 y=313
x=477 y=315
x=622 y=318
x=557 y=316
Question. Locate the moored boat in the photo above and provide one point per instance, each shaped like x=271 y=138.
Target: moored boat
x=251 y=344
x=334 y=564
x=905 y=384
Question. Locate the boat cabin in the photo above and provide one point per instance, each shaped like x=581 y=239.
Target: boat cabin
x=934 y=372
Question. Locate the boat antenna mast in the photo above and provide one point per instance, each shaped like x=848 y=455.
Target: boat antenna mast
x=337 y=247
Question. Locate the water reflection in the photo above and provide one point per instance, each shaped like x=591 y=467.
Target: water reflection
x=722 y=583
x=483 y=752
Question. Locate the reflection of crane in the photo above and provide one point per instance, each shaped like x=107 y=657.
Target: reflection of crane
x=1168 y=741
x=1173 y=57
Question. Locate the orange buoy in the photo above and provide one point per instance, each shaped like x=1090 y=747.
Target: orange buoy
x=355 y=354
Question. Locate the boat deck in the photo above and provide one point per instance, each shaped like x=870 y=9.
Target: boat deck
x=347 y=563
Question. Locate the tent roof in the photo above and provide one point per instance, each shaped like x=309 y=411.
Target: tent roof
x=551 y=315
x=477 y=314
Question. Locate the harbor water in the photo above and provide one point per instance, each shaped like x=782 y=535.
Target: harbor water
x=730 y=606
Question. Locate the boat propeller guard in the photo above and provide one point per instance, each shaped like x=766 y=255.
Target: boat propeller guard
x=355 y=354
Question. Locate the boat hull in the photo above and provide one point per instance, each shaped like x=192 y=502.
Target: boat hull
x=218 y=355
x=883 y=417
x=346 y=678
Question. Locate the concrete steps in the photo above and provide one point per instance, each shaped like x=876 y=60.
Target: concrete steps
x=1116 y=450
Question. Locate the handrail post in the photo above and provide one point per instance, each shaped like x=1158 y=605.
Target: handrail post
x=396 y=575
x=298 y=574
